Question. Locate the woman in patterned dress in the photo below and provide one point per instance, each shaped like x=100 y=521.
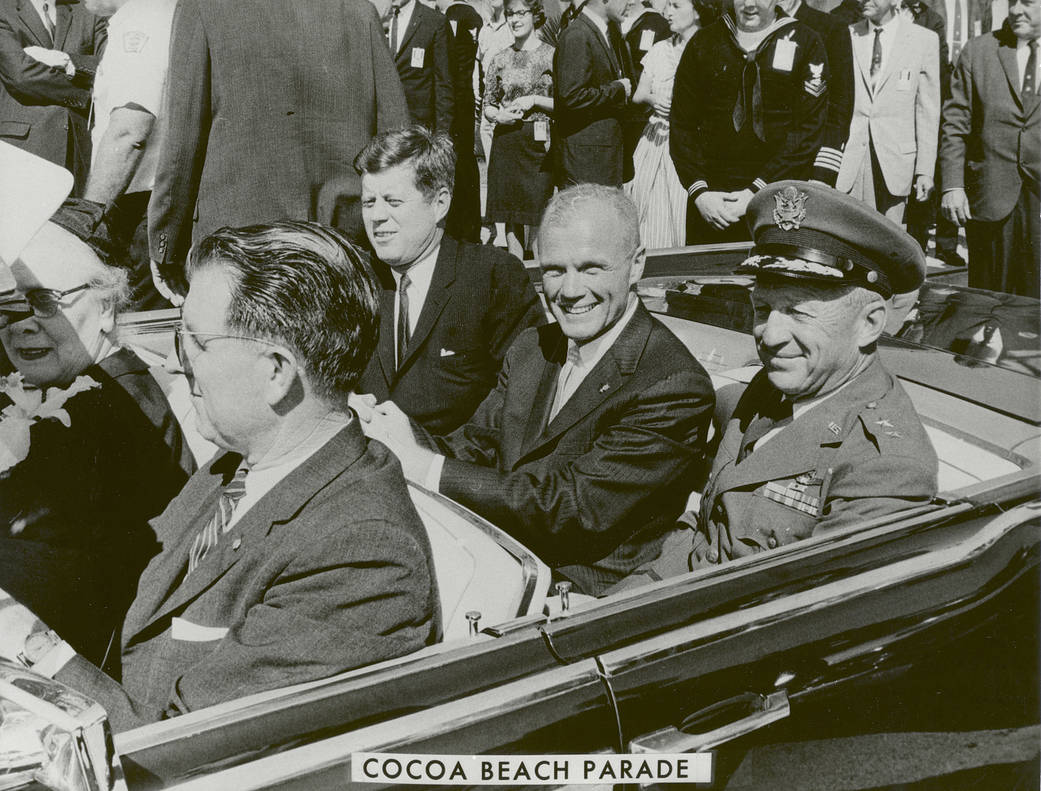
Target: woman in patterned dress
x=518 y=99
x=656 y=189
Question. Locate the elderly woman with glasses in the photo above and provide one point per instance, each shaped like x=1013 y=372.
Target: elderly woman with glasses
x=89 y=450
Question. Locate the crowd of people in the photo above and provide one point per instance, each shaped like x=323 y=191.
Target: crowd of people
x=303 y=183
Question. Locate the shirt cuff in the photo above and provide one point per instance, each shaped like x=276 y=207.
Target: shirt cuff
x=54 y=660
x=432 y=481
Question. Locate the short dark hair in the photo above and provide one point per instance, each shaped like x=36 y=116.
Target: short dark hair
x=304 y=285
x=538 y=13
x=430 y=153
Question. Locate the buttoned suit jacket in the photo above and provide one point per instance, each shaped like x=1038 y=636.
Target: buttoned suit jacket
x=592 y=490
x=590 y=107
x=900 y=117
x=42 y=110
x=247 y=139
x=329 y=571
x=430 y=88
x=479 y=299
x=991 y=140
x=860 y=454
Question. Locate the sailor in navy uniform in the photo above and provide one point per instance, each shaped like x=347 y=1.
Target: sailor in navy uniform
x=823 y=437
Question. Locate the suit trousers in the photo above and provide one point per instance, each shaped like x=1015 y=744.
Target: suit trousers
x=869 y=186
x=1004 y=255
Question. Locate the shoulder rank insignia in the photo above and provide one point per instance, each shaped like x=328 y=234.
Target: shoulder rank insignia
x=815 y=86
x=792 y=496
x=790 y=210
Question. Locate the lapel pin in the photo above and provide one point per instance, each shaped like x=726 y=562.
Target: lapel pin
x=834 y=428
x=236 y=543
x=883 y=423
x=604 y=388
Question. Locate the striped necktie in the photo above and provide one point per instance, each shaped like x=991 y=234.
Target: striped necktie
x=208 y=537
x=404 y=331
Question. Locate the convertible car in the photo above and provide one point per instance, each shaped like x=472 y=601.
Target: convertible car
x=900 y=653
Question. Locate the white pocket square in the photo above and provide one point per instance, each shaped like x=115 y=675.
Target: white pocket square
x=196 y=633
x=447 y=353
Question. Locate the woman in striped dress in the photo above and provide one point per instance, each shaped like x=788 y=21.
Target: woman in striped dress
x=656 y=189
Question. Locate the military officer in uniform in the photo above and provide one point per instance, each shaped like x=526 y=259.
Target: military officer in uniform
x=823 y=437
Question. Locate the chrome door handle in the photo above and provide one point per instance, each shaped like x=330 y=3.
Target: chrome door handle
x=762 y=710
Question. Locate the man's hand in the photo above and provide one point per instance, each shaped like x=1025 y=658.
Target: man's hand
x=739 y=202
x=388 y=424
x=955 y=206
x=167 y=292
x=54 y=58
x=923 y=186
x=718 y=209
x=627 y=86
x=17 y=622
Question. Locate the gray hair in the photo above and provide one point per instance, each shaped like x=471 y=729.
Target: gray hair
x=595 y=200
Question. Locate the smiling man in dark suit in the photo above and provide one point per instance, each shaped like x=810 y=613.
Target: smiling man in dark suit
x=593 y=82
x=449 y=310
x=296 y=553
x=589 y=444
x=48 y=55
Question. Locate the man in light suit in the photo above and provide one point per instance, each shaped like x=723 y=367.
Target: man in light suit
x=47 y=62
x=592 y=85
x=245 y=141
x=991 y=154
x=463 y=303
x=891 y=148
x=296 y=553
x=592 y=439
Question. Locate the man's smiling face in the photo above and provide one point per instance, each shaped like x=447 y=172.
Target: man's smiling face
x=587 y=275
x=401 y=222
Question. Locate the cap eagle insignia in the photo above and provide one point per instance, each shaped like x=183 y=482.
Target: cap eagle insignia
x=790 y=210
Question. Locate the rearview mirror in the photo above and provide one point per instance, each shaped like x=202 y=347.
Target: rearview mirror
x=53 y=735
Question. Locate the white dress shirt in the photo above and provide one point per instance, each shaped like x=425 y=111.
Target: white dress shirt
x=404 y=17
x=419 y=275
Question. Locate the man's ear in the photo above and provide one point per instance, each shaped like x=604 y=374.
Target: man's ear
x=283 y=373
x=442 y=202
x=872 y=321
x=636 y=269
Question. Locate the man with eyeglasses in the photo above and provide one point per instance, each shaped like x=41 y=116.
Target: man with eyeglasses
x=296 y=552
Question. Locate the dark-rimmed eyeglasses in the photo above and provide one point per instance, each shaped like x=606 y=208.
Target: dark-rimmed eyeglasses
x=44 y=303
x=517 y=12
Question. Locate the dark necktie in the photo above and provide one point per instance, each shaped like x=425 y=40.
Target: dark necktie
x=956 y=41
x=1029 y=90
x=208 y=537
x=762 y=425
x=876 y=53
x=394 y=31
x=403 y=329
x=47 y=21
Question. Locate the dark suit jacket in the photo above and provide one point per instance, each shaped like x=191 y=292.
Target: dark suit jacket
x=464 y=215
x=589 y=106
x=480 y=298
x=591 y=492
x=990 y=138
x=430 y=88
x=838 y=45
x=74 y=533
x=859 y=455
x=42 y=110
x=329 y=571
x=250 y=139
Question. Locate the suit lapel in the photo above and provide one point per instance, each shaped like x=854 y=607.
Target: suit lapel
x=34 y=24
x=410 y=31
x=862 y=53
x=438 y=294
x=1007 y=58
x=385 y=344
x=617 y=364
x=61 y=30
x=541 y=385
x=279 y=505
x=604 y=43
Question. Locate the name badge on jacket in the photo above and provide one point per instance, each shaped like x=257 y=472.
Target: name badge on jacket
x=418 y=57
x=784 y=54
x=646 y=40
